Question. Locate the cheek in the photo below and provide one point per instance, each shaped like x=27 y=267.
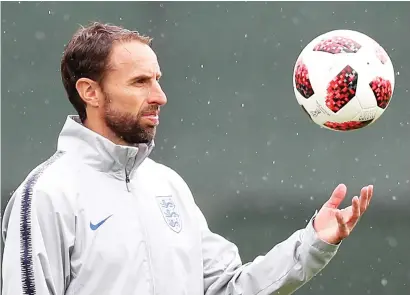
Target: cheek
x=128 y=99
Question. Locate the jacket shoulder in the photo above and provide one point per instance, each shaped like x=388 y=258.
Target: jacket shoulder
x=170 y=174
x=48 y=177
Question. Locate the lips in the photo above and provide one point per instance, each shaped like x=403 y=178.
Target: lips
x=152 y=116
x=156 y=114
x=151 y=112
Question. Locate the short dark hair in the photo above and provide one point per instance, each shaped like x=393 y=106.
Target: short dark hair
x=87 y=54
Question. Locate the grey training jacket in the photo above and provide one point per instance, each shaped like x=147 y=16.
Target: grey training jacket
x=102 y=219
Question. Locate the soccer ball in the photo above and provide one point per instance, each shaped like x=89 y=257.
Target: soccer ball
x=344 y=80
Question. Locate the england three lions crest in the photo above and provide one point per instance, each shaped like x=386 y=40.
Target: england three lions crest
x=170 y=213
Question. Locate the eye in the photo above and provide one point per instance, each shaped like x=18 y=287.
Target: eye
x=140 y=81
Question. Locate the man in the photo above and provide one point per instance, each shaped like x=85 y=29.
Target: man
x=100 y=217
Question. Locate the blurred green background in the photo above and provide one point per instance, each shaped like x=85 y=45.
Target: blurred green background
x=232 y=126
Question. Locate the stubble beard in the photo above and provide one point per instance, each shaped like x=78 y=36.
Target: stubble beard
x=127 y=126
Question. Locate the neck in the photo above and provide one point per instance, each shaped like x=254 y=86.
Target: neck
x=102 y=129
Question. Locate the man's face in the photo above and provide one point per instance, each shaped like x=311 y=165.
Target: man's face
x=132 y=94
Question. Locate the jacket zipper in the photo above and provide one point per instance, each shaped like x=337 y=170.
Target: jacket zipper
x=145 y=234
x=127 y=174
x=127 y=180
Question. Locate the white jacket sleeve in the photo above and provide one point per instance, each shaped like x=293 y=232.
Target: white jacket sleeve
x=283 y=270
x=38 y=232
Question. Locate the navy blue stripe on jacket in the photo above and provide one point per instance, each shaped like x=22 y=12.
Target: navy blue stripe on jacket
x=26 y=250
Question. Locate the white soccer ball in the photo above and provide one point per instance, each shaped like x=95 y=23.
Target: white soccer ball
x=344 y=80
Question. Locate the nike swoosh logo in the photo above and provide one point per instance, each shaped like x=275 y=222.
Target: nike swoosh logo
x=96 y=226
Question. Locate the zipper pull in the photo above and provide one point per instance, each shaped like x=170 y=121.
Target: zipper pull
x=127 y=181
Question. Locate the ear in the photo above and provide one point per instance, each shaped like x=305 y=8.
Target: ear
x=89 y=91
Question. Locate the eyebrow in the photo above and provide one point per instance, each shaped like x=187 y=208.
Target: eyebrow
x=144 y=76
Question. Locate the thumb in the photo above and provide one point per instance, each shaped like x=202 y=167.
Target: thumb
x=337 y=197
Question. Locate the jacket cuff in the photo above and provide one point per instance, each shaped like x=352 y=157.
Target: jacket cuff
x=312 y=239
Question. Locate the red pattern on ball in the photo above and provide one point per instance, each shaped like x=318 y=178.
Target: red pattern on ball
x=381 y=54
x=346 y=126
x=382 y=91
x=337 y=44
x=302 y=80
x=341 y=89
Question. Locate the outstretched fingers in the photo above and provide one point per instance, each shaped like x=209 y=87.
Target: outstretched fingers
x=364 y=198
x=355 y=212
x=337 y=197
x=342 y=225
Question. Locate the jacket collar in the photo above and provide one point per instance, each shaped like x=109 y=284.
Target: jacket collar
x=99 y=152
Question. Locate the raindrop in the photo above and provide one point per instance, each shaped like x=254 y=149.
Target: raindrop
x=384 y=282
x=40 y=35
x=392 y=242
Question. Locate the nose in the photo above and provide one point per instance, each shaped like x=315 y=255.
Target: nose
x=157 y=95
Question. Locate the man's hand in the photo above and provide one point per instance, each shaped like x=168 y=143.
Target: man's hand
x=332 y=224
